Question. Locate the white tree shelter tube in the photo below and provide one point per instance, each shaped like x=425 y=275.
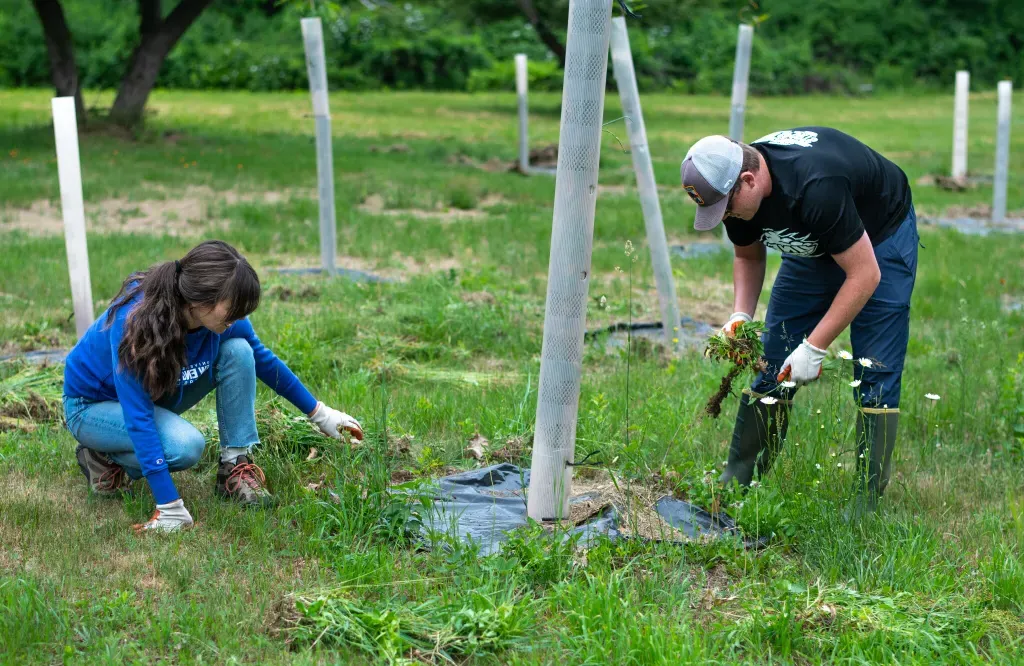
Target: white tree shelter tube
x=572 y=238
x=313 y=38
x=963 y=87
x=65 y=133
x=740 y=80
x=1005 y=94
x=625 y=78
x=522 y=83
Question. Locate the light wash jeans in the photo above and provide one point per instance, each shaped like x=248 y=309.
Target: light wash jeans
x=100 y=425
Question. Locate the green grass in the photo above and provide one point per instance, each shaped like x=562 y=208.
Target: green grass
x=938 y=576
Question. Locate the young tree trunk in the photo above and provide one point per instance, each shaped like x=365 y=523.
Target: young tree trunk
x=157 y=36
x=549 y=38
x=61 y=51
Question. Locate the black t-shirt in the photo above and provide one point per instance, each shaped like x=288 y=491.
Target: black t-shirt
x=827 y=190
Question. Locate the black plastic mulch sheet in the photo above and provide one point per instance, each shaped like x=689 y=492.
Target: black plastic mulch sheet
x=483 y=505
x=692 y=334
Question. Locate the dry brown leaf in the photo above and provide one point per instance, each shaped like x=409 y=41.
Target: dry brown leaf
x=476 y=447
x=312 y=453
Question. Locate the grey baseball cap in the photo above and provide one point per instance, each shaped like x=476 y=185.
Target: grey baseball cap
x=709 y=171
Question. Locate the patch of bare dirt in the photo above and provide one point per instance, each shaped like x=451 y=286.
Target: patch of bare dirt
x=393 y=148
x=282 y=293
x=493 y=165
x=396 y=267
x=376 y=205
x=178 y=214
x=635 y=503
x=34 y=407
x=478 y=298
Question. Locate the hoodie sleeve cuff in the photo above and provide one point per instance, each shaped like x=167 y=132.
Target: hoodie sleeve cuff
x=162 y=486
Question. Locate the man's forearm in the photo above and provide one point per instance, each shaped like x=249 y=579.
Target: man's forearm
x=848 y=303
x=748 y=278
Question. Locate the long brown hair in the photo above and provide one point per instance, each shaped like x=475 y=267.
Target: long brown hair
x=153 y=344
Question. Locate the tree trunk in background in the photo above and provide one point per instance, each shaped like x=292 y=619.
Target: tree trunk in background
x=61 y=50
x=549 y=38
x=157 y=36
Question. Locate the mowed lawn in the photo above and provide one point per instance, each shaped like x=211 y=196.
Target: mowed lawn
x=449 y=348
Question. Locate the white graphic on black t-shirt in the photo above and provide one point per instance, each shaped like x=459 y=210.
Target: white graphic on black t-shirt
x=790 y=243
x=802 y=138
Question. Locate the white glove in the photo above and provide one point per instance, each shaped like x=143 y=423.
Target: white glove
x=803 y=365
x=169 y=517
x=737 y=318
x=331 y=422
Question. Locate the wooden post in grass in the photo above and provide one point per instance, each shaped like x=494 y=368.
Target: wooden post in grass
x=313 y=37
x=963 y=87
x=740 y=79
x=1000 y=178
x=572 y=239
x=522 y=83
x=625 y=79
x=69 y=170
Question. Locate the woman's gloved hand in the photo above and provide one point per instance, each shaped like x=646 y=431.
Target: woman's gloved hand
x=331 y=422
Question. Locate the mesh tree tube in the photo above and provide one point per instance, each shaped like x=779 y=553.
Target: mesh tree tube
x=1005 y=89
x=313 y=38
x=625 y=79
x=572 y=238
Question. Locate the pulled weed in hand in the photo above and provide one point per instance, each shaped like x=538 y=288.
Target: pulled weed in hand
x=744 y=350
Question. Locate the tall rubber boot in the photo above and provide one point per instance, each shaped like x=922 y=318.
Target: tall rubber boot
x=756 y=439
x=876 y=439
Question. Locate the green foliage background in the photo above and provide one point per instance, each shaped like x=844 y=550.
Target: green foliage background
x=829 y=45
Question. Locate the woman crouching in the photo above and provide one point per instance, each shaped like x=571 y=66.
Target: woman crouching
x=170 y=336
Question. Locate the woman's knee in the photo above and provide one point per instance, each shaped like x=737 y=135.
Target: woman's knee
x=235 y=352
x=183 y=445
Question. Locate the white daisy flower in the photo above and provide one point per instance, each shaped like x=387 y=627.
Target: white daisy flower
x=788 y=384
x=839 y=465
x=933 y=396
x=817 y=465
x=845 y=355
x=866 y=362
x=855 y=383
x=769 y=400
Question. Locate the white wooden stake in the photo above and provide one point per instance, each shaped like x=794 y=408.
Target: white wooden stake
x=313 y=38
x=522 y=84
x=963 y=87
x=572 y=240
x=1005 y=89
x=625 y=78
x=69 y=170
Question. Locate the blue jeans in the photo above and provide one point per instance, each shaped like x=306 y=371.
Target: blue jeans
x=100 y=425
x=804 y=290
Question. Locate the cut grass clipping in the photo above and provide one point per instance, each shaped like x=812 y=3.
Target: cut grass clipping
x=431 y=631
x=743 y=350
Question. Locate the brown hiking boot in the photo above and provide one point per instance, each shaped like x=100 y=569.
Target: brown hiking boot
x=243 y=482
x=105 y=477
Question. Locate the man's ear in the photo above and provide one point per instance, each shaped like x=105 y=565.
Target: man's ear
x=749 y=178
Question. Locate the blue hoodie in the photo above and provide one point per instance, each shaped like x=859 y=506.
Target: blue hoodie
x=92 y=372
